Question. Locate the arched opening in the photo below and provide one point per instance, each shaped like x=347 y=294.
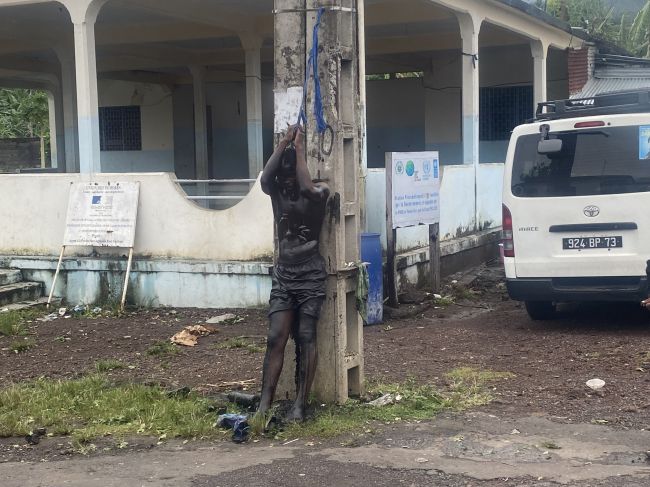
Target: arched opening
x=31 y=112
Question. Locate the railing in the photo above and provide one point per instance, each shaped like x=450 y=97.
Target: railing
x=203 y=189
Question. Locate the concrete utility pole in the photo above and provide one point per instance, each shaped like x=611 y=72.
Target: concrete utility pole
x=340 y=331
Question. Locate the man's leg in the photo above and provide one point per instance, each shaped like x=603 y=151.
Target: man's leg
x=279 y=328
x=306 y=343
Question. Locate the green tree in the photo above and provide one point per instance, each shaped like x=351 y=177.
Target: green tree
x=592 y=15
x=638 y=40
x=23 y=113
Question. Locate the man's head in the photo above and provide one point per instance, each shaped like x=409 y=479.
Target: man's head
x=287 y=176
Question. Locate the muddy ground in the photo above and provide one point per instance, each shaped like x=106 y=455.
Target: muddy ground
x=551 y=361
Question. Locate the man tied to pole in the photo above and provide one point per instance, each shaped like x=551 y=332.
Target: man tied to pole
x=299 y=274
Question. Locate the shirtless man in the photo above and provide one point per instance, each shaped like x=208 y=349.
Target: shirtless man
x=299 y=274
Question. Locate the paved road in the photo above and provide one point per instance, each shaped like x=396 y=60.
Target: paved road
x=476 y=449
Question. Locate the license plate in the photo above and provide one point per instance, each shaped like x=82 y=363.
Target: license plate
x=584 y=243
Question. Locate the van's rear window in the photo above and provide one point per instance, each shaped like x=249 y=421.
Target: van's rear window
x=608 y=160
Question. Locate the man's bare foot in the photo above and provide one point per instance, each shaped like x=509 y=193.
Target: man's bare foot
x=296 y=415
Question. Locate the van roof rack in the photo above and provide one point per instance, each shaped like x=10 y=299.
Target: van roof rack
x=605 y=104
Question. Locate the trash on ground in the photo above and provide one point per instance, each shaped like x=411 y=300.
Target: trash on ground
x=221 y=319
x=50 y=317
x=595 y=384
x=80 y=308
x=238 y=423
x=189 y=336
x=242 y=399
x=385 y=400
x=63 y=311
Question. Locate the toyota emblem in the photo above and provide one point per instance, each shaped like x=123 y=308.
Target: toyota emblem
x=591 y=211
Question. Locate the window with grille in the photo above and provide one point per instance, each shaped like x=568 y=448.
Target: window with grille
x=120 y=128
x=502 y=109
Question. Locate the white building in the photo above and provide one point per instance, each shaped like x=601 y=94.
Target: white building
x=167 y=90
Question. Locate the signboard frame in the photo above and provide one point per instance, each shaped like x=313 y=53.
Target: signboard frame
x=392 y=158
x=101 y=214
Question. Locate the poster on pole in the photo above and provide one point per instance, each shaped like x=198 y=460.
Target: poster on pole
x=102 y=214
x=415 y=188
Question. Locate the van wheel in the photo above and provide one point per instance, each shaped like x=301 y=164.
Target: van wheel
x=540 y=310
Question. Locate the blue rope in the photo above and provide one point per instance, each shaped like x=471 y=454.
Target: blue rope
x=312 y=68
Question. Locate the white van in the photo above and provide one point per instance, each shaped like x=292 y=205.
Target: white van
x=576 y=203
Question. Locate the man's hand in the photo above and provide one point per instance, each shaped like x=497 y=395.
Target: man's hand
x=645 y=303
x=300 y=138
x=291 y=134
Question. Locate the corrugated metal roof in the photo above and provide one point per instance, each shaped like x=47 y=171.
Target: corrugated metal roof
x=596 y=86
x=622 y=72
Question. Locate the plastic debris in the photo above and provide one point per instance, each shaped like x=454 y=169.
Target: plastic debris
x=63 y=311
x=238 y=423
x=221 y=319
x=34 y=437
x=242 y=399
x=50 y=317
x=97 y=310
x=595 y=384
x=189 y=336
x=80 y=308
x=385 y=400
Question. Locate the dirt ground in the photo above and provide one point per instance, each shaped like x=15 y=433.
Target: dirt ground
x=551 y=361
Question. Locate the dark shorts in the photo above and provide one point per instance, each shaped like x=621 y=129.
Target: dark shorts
x=299 y=287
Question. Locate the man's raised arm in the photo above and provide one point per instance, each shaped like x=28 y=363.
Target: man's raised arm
x=309 y=189
x=273 y=165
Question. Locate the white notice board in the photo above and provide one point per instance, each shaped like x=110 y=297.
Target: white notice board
x=102 y=214
x=415 y=189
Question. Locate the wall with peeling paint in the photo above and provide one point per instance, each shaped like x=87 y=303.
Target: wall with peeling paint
x=157 y=122
x=169 y=225
x=457 y=208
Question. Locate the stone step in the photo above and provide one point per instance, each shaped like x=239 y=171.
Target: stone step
x=21 y=291
x=10 y=276
x=56 y=303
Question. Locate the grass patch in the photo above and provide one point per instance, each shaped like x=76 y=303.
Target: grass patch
x=22 y=345
x=14 y=323
x=162 y=348
x=108 y=365
x=550 y=445
x=241 y=343
x=468 y=388
x=443 y=301
x=92 y=407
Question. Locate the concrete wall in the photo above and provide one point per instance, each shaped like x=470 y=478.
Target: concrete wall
x=228 y=139
x=169 y=226
x=395 y=117
x=157 y=118
x=457 y=208
x=18 y=154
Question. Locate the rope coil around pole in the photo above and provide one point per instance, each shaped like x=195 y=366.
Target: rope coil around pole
x=312 y=70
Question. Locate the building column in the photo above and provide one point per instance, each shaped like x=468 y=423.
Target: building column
x=540 y=81
x=57 y=134
x=469 y=32
x=69 y=107
x=253 y=46
x=200 y=123
x=84 y=15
